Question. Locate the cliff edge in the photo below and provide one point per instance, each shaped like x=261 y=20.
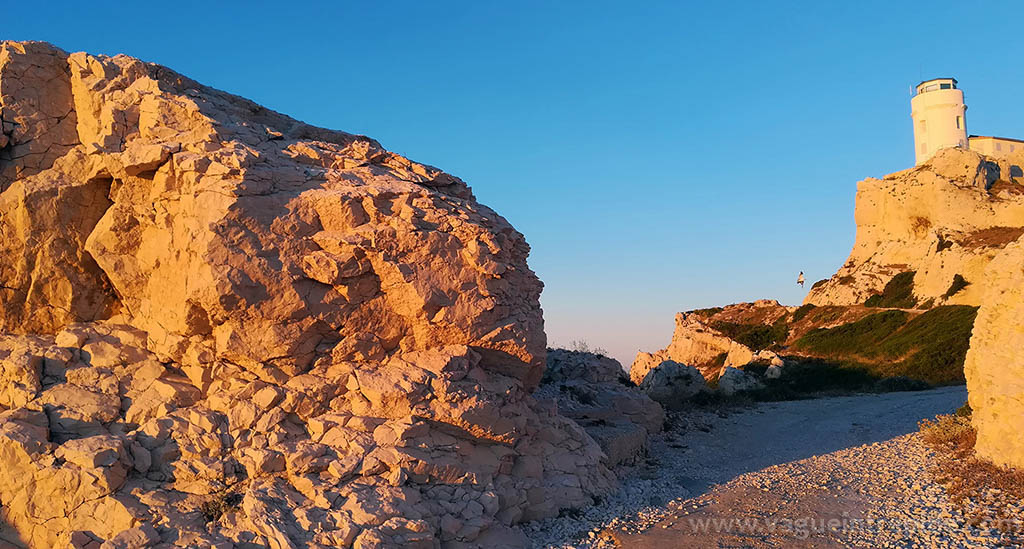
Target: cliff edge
x=939 y=223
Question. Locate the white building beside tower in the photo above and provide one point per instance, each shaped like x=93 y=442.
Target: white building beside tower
x=940 y=121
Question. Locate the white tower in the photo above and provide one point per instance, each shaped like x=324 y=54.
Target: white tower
x=939 y=117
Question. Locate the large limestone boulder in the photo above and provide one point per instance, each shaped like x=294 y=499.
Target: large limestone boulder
x=671 y=383
x=227 y=231
x=945 y=220
x=734 y=381
x=995 y=363
x=220 y=327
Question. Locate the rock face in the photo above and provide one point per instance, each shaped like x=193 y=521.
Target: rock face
x=995 y=364
x=594 y=391
x=671 y=383
x=734 y=380
x=694 y=343
x=945 y=218
x=226 y=326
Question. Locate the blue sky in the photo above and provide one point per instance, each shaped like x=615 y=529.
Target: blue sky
x=658 y=156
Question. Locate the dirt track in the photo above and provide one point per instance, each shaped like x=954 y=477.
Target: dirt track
x=837 y=472
x=830 y=472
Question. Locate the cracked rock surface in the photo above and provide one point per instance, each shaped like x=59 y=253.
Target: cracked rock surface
x=948 y=217
x=221 y=327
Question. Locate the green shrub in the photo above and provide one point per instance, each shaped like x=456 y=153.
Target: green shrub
x=964 y=411
x=755 y=336
x=801 y=312
x=827 y=314
x=900 y=383
x=959 y=283
x=805 y=375
x=898 y=293
x=852 y=338
x=776 y=392
x=709 y=312
x=930 y=347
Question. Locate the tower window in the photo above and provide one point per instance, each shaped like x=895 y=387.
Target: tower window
x=999 y=146
x=959 y=122
x=945 y=86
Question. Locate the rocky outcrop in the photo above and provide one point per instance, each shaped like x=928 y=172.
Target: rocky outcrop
x=762 y=312
x=995 y=364
x=594 y=391
x=671 y=383
x=227 y=231
x=695 y=343
x=943 y=220
x=224 y=326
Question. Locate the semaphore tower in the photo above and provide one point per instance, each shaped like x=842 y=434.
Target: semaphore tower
x=939 y=115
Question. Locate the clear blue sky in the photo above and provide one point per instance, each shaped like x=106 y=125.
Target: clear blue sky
x=658 y=156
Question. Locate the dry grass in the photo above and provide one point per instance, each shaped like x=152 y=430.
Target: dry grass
x=993 y=237
x=921 y=225
x=219 y=504
x=953 y=435
x=968 y=478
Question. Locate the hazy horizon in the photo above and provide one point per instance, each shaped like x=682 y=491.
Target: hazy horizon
x=658 y=159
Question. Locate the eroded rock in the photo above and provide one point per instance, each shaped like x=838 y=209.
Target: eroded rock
x=945 y=218
x=236 y=329
x=594 y=391
x=695 y=343
x=995 y=365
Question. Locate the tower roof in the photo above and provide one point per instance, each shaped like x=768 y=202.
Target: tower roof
x=937 y=79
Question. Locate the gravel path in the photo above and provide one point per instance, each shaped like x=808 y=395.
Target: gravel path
x=831 y=472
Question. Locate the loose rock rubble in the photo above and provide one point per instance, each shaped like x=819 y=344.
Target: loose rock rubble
x=594 y=391
x=224 y=327
x=882 y=490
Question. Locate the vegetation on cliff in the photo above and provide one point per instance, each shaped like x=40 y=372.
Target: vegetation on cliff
x=755 y=336
x=898 y=293
x=929 y=347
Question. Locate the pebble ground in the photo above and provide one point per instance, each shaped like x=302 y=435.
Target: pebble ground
x=699 y=489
